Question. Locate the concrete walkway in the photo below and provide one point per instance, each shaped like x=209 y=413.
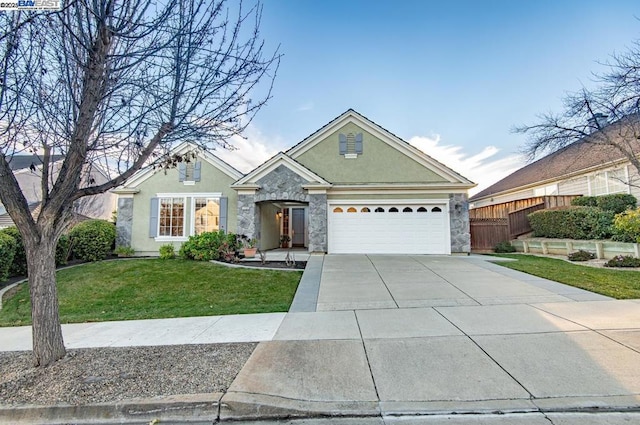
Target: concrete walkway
x=420 y=335
x=383 y=336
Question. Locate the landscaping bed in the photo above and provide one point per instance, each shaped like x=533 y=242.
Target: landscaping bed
x=99 y=375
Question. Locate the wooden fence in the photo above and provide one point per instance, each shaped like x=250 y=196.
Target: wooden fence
x=518 y=221
x=503 y=222
x=503 y=209
x=487 y=232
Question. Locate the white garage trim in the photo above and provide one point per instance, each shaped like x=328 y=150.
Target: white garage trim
x=406 y=226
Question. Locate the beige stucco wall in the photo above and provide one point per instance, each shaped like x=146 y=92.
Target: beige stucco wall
x=379 y=162
x=408 y=195
x=270 y=232
x=212 y=181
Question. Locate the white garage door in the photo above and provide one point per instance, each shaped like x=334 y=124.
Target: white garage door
x=401 y=228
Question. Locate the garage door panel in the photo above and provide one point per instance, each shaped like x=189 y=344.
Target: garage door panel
x=409 y=232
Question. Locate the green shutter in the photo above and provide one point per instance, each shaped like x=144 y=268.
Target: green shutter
x=182 y=171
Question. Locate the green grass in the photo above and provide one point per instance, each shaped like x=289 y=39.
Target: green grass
x=153 y=288
x=620 y=284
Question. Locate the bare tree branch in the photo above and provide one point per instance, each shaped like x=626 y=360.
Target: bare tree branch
x=114 y=84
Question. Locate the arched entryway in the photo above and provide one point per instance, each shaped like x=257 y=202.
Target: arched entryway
x=284 y=224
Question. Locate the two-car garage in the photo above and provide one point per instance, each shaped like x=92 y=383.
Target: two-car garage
x=356 y=227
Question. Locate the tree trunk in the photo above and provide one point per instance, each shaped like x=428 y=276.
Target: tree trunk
x=48 y=345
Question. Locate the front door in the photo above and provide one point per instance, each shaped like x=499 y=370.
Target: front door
x=297 y=219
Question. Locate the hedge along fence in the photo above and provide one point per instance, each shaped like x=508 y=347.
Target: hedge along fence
x=617 y=203
x=572 y=223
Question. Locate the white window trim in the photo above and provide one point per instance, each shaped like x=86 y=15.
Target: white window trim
x=185 y=196
x=184 y=221
x=193 y=210
x=590 y=178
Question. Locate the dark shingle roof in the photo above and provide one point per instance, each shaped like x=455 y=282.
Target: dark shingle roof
x=20 y=162
x=580 y=156
x=6 y=221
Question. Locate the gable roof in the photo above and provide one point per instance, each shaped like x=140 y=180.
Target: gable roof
x=281 y=159
x=183 y=148
x=352 y=116
x=21 y=162
x=579 y=157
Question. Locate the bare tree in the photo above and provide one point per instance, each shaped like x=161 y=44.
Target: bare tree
x=607 y=118
x=114 y=83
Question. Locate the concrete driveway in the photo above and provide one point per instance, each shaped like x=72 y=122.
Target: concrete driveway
x=396 y=335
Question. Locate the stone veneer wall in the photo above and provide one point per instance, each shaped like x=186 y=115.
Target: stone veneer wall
x=248 y=216
x=124 y=222
x=282 y=184
x=459 y=223
x=318 y=223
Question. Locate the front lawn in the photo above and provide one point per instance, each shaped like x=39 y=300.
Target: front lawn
x=153 y=288
x=620 y=284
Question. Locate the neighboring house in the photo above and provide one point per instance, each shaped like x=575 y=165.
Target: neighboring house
x=350 y=187
x=28 y=172
x=581 y=168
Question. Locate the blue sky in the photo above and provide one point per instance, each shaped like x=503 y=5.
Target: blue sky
x=451 y=77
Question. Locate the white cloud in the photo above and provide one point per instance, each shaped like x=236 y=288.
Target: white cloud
x=481 y=168
x=250 y=152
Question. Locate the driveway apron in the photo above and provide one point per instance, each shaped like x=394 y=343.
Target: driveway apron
x=439 y=335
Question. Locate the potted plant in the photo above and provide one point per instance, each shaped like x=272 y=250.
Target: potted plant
x=250 y=248
x=284 y=241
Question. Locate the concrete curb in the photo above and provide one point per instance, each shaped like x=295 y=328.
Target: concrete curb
x=237 y=406
x=178 y=409
x=240 y=266
x=8 y=288
x=200 y=409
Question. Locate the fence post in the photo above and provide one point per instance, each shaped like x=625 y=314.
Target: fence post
x=599 y=250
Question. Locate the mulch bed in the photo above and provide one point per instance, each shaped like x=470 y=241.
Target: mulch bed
x=98 y=375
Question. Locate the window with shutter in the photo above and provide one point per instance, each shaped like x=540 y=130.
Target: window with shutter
x=350 y=145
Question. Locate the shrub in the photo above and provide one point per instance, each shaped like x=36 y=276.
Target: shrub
x=7 y=251
x=63 y=250
x=92 y=240
x=623 y=261
x=504 y=247
x=626 y=226
x=167 y=252
x=203 y=247
x=584 y=201
x=19 y=265
x=124 y=251
x=581 y=255
x=618 y=203
x=572 y=223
